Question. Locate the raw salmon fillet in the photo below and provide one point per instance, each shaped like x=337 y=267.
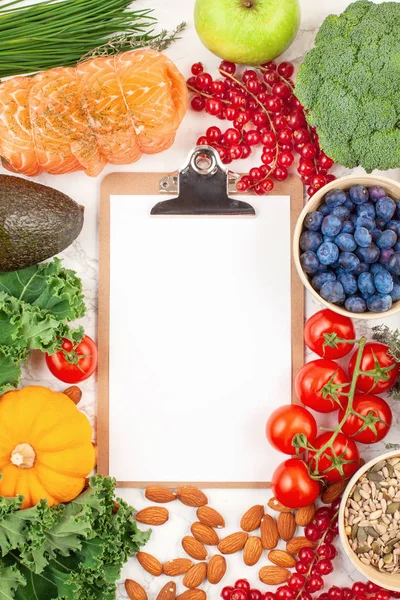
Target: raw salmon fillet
x=109 y=109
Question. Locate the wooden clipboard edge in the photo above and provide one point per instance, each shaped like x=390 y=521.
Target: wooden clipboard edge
x=119 y=184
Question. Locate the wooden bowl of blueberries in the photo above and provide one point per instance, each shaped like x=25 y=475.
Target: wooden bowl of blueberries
x=347 y=246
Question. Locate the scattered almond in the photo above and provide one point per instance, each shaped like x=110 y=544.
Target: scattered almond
x=150 y=564
x=194 y=548
x=273 y=575
x=153 y=515
x=134 y=590
x=276 y=505
x=305 y=515
x=157 y=493
x=168 y=592
x=176 y=567
x=193 y=595
x=204 y=534
x=253 y=550
x=191 y=496
x=209 y=516
x=74 y=393
x=333 y=491
x=252 y=518
x=269 y=532
x=282 y=558
x=195 y=576
x=286 y=526
x=294 y=545
x=233 y=543
x=216 y=569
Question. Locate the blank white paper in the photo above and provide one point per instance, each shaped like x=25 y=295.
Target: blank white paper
x=200 y=341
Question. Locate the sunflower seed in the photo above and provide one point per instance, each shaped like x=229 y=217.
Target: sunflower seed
x=373 y=476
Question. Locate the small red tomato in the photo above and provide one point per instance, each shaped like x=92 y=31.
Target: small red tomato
x=378 y=419
x=320 y=384
x=286 y=422
x=322 y=330
x=338 y=462
x=380 y=369
x=292 y=484
x=73 y=364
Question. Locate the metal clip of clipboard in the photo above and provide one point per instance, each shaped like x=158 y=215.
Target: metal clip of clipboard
x=202 y=185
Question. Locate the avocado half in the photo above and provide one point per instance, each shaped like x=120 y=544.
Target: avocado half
x=36 y=222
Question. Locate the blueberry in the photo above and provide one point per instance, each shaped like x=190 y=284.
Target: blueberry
x=355 y=304
x=383 y=282
x=332 y=291
x=319 y=279
x=380 y=223
x=324 y=209
x=313 y=221
x=396 y=247
x=379 y=303
x=365 y=222
x=375 y=234
x=398 y=209
x=393 y=265
x=395 y=293
x=387 y=239
x=310 y=240
x=347 y=227
x=366 y=283
x=309 y=262
x=366 y=210
x=349 y=283
x=385 y=208
x=394 y=226
x=353 y=218
x=335 y=198
x=341 y=212
x=345 y=241
x=363 y=237
x=369 y=255
x=376 y=192
x=349 y=261
x=331 y=225
x=328 y=253
x=329 y=238
x=359 y=194
x=385 y=255
x=362 y=268
x=375 y=268
x=349 y=204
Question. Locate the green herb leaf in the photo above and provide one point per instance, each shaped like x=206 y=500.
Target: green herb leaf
x=10 y=579
x=10 y=370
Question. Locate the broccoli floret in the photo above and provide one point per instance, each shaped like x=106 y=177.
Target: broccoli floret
x=349 y=82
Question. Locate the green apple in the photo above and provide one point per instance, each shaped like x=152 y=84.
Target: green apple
x=247 y=31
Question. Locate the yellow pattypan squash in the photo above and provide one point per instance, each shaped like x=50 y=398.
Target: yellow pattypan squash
x=45 y=446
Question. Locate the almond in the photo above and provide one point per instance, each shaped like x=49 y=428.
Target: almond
x=157 y=493
x=282 y=558
x=216 y=569
x=149 y=563
x=204 y=534
x=168 y=592
x=333 y=492
x=74 y=393
x=269 y=532
x=276 y=505
x=191 y=496
x=273 y=575
x=209 y=516
x=294 y=545
x=176 y=567
x=253 y=550
x=193 y=595
x=233 y=543
x=153 y=515
x=134 y=590
x=194 y=548
x=286 y=526
x=305 y=515
x=195 y=576
x=252 y=518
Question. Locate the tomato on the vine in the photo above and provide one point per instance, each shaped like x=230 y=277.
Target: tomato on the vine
x=286 y=422
x=320 y=385
x=378 y=419
x=380 y=369
x=292 y=484
x=73 y=363
x=339 y=461
x=322 y=331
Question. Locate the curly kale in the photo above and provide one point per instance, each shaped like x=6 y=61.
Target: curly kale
x=349 y=82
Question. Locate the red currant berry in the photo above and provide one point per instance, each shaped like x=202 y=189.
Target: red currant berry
x=323 y=596
x=228 y=67
x=382 y=595
x=246 y=150
x=282 y=90
x=254 y=595
x=267 y=185
x=269 y=596
x=253 y=85
x=321 y=522
x=198 y=103
x=359 y=588
x=223 y=154
x=335 y=593
x=325 y=162
x=270 y=65
x=239 y=594
x=251 y=105
x=286 y=69
x=203 y=81
x=191 y=82
x=285 y=159
x=326 y=551
x=281 y=173
x=238 y=100
x=202 y=141
x=259 y=119
x=197 y=68
x=329 y=536
x=270 y=77
x=302 y=567
x=249 y=74
x=213 y=106
x=304 y=596
x=372 y=588
x=306 y=179
x=232 y=136
x=314 y=583
x=306 y=167
x=217 y=87
x=213 y=134
x=255 y=174
x=296 y=581
x=262 y=97
x=308 y=151
x=335 y=526
x=297 y=120
x=243 y=117
x=274 y=104
x=230 y=113
x=347 y=593
x=235 y=151
x=227 y=160
x=330 y=178
x=324 y=566
x=268 y=157
x=285 y=593
x=242 y=584
x=227 y=593
x=268 y=139
x=336 y=503
x=307 y=555
x=312 y=533
x=318 y=181
x=301 y=136
x=259 y=190
x=252 y=137
x=280 y=122
x=285 y=136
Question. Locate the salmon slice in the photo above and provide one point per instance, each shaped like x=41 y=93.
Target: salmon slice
x=16 y=142
x=106 y=110
x=63 y=139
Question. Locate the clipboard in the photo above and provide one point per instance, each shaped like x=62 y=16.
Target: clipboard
x=202 y=190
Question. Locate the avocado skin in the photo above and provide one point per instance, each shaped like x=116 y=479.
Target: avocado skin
x=36 y=222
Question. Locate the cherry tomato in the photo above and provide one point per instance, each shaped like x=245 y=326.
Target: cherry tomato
x=336 y=463
x=287 y=421
x=73 y=364
x=292 y=484
x=383 y=369
x=322 y=330
x=319 y=385
x=378 y=419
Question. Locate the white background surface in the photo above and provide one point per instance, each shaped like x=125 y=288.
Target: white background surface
x=83 y=256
